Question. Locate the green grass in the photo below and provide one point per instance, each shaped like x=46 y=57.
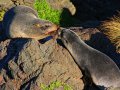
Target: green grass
x=45 y=11
x=54 y=85
x=61 y=17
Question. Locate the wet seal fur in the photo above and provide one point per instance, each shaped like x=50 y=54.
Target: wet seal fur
x=23 y=22
x=95 y=65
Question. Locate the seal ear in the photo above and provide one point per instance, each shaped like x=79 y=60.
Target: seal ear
x=66 y=41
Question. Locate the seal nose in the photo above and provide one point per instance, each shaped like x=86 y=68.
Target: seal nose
x=61 y=33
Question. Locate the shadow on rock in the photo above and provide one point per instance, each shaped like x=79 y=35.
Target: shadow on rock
x=14 y=47
x=95 y=9
x=68 y=20
x=100 y=42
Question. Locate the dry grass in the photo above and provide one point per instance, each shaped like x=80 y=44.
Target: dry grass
x=111 y=28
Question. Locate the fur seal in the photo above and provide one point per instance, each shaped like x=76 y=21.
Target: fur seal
x=23 y=22
x=94 y=64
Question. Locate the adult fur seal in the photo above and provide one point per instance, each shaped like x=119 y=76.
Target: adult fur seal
x=97 y=66
x=23 y=22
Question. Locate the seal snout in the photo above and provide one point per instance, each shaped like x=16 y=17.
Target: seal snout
x=51 y=28
x=63 y=33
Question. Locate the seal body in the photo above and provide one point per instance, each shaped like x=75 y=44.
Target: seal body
x=23 y=22
x=95 y=65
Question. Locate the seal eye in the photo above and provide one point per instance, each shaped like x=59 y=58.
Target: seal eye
x=37 y=25
x=62 y=34
x=66 y=41
x=47 y=26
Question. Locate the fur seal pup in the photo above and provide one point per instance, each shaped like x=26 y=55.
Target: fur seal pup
x=23 y=22
x=94 y=64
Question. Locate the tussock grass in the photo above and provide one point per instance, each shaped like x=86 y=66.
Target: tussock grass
x=111 y=28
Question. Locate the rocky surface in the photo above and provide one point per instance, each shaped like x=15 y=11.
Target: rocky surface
x=25 y=64
x=6 y=4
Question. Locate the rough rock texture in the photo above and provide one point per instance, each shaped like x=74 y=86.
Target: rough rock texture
x=25 y=64
x=7 y=4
